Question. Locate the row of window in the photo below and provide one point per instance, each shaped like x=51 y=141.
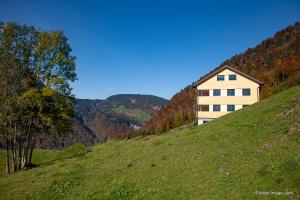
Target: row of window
x=230 y=92
x=231 y=77
x=216 y=108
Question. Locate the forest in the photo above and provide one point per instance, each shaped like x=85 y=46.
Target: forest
x=275 y=61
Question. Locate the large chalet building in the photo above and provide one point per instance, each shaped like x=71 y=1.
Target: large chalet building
x=225 y=90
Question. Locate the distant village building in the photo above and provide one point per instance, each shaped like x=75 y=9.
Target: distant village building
x=223 y=91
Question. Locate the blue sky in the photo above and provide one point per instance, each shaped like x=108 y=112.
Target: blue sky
x=151 y=47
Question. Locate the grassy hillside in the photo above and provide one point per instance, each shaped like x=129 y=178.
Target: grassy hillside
x=275 y=61
x=43 y=156
x=254 y=149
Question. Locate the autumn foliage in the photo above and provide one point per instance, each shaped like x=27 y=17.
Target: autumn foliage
x=275 y=61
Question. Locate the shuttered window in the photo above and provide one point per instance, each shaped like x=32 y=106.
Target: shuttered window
x=203 y=92
x=203 y=108
x=230 y=108
x=246 y=92
x=232 y=77
x=217 y=92
x=217 y=108
x=230 y=92
x=220 y=78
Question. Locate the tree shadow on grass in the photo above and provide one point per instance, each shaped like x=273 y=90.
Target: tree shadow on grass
x=52 y=161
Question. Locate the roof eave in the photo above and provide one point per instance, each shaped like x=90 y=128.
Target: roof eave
x=208 y=76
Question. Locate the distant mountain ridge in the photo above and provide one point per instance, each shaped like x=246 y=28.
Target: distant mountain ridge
x=95 y=120
x=117 y=116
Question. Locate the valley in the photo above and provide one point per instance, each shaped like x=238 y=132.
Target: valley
x=252 y=150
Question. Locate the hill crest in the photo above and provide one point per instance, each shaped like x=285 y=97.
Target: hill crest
x=275 y=61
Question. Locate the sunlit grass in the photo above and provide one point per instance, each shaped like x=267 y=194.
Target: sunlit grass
x=234 y=157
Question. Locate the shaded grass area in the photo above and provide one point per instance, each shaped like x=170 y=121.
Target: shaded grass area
x=252 y=150
x=45 y=156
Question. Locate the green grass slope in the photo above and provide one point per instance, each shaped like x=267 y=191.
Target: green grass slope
x=43 y=156
x=256 y=149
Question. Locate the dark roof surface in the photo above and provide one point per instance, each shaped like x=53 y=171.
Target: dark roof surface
x=218 y=70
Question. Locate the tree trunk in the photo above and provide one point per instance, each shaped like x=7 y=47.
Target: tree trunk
x=31 y=152
x=24 y=160
x=7 y=170
x=20 y=153
x=14 y=155
x=14 y=150
x=62 y=142
x=26 y=147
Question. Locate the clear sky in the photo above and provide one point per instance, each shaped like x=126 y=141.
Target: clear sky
x=152 y=46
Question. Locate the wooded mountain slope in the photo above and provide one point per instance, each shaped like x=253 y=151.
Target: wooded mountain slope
x=275 y=61
x=254 y=149
x=118 y=115
x=96 y=120
x=79 y=133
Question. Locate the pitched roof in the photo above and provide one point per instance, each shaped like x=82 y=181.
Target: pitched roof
x=220 y=69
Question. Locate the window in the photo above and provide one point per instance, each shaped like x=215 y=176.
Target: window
x=245 y=106
x=230 y=108
x=220 y=78
x=230 y=92
x=217 y=92
x=232 y=77
x=203 y=108
x=203 y=92
x=216 y=108
x=246 y=92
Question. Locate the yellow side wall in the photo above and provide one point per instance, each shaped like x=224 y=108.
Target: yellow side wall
x=211 y=114
x=240 y=83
